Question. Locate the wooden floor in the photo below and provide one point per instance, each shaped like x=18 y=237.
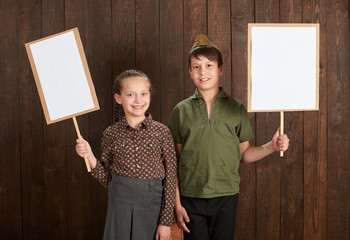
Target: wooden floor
x=176 y=233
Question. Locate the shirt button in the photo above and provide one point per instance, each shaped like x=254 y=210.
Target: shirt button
x=138 y=166
x=137 y=148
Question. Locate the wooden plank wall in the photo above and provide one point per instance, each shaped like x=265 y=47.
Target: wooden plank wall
x=45 y=190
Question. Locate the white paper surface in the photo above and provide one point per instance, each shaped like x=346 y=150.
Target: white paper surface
x=283 y=68
x=62 y=76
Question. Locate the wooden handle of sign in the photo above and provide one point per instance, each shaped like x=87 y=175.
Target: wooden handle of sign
x=281 y=128
x=80 y=137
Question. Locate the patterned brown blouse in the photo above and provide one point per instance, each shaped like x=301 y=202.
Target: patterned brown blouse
x=143 y=153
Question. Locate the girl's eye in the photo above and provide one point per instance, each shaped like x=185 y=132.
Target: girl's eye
x=129 y=95
x=144 y=94
x=195 y=67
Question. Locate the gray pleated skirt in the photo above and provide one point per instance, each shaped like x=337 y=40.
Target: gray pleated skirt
x=133 y=209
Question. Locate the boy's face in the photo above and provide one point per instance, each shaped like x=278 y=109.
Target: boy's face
x=205 y=73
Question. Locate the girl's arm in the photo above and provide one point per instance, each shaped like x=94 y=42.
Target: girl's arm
x=252 y=154
x=99 y=171
x=169 y=182
x=83 y=147
x=163 y=232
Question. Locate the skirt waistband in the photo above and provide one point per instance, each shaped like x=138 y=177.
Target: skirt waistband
x=138 y=181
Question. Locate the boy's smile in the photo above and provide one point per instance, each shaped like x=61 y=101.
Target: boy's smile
x=205 y=73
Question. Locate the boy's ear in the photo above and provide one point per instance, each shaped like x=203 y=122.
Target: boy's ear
x=118 y=98
x=189 y=70
x=221 y=70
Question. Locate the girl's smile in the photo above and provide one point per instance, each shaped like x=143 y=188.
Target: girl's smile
x=138 y=107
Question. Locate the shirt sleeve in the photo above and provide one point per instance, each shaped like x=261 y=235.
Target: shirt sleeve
x=174 y=125
x=102 y=170
x=244 y=129
x=168 y=201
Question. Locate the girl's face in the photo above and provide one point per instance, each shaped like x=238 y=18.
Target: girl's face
x=205 y=73
x=135 y=97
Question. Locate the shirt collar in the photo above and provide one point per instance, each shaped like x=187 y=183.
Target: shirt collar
x=146 y=123
x=222 y=94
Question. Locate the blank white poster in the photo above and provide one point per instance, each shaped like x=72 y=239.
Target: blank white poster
x=62 y=77
x=283 y=68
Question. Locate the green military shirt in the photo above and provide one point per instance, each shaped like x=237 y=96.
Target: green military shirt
x=209 y=161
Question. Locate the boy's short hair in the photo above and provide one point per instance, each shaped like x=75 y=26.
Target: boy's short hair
x=209 y=52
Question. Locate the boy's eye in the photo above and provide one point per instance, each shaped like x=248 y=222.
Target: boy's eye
x=209 y=65
x=130 y=95
x=195 y=67
x=144 y=94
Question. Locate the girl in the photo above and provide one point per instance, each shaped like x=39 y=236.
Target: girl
x=138 y=165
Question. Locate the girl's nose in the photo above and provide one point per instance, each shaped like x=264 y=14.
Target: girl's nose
x=137 y=98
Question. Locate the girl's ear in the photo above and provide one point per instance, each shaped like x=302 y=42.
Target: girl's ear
x=118 y=98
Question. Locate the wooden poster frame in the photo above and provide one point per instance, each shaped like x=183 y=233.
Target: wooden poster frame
x=87 y=74
x=86 y=71
x=249 y=95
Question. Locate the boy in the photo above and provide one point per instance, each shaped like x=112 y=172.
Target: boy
x=211 y=131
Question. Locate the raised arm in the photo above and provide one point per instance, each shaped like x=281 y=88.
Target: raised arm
x=252 y=154
x=83 y=147
x=99 y=170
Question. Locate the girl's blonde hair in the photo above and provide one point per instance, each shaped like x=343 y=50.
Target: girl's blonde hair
x=118 y=85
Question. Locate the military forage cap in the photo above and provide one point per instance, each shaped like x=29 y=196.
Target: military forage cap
x=203 y=40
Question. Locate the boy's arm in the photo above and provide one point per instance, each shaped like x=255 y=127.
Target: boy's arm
x=252 y=154
x=180 y=211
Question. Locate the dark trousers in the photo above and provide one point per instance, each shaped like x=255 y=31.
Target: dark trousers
x=211 y=218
